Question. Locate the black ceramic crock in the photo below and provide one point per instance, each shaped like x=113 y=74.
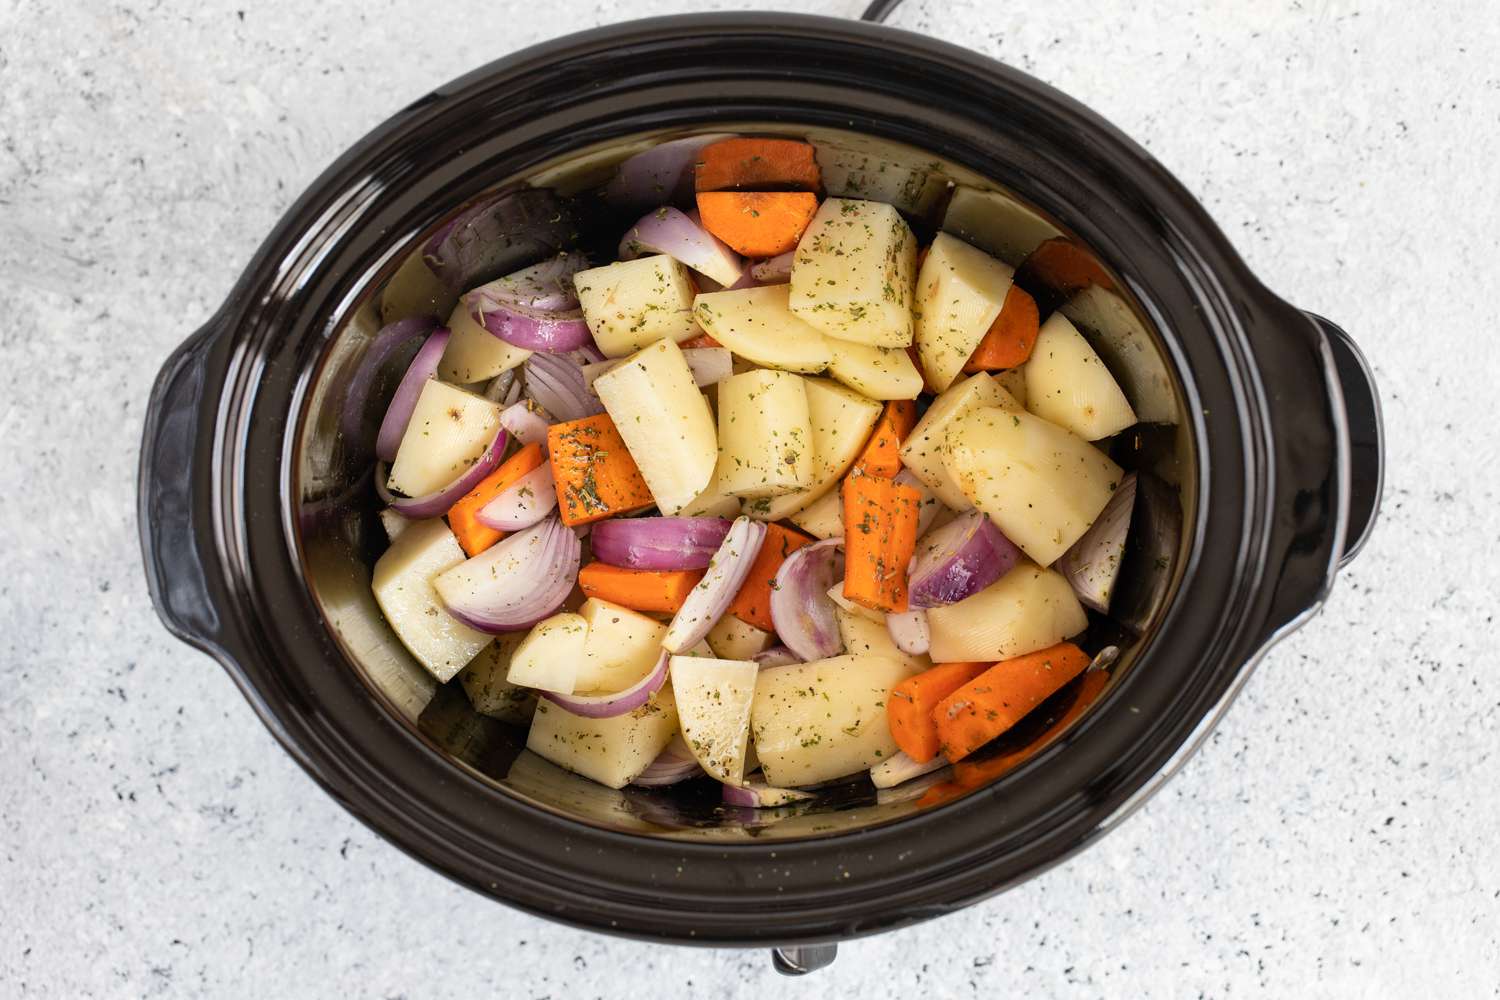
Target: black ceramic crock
x=1279 y=416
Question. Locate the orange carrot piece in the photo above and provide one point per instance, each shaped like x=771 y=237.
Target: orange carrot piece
x=908 y=708
x=595 y=475
x=1001 y=696
x=757 y=163
x=753 y=603
x=639 y=589
x=757 y=223
x=972 y=775
x=1009 y=340
x=702 y=340
x=463 y=516
x=880 y=536
x=882 y=453
x=1064 y=267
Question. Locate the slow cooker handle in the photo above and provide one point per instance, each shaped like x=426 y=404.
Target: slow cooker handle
x=170 y=514
x=799 y=960
x=1366 y=435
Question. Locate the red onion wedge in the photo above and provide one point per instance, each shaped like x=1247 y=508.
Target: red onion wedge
x=436 y=504
x=909 y=631
x=756 y=794
x=607 y=706
x=1093 y=563
x=498 y=235
x=663 y=173
x=531 y=329
x=423 y=367
x=776 y=656
x=523 y=503
x=659 y=542
x=958 y=560
x=514 y=583
x=667 y=230
x=899 y=768
x=673 y=765
x=547 y=286
x=558 y=386
x=708 y=601
x=775 y=270
x=391 y=338
x=526 y=422
x=801 y=609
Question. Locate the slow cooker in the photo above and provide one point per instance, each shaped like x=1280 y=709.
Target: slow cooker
x=259 y=530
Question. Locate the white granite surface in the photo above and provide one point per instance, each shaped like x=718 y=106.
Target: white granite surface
x=1336 y=837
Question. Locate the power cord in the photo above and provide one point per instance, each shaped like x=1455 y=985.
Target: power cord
x=879 y=10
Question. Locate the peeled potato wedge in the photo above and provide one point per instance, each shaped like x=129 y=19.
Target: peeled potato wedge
x=841 y=423
x=757 y=324
x=611 y=751
x=713 y=704
x=1041 y=484
x=1068 y=384
x=632 y=303
x=821 y=720
x=853 y=272
x=665 y=422
x=923 y=450
x=960 y=291
x=402 y=582
x=876 y=372
x=765 y=435
x=1027 y=609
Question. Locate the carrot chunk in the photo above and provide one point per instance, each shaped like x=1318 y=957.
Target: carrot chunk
x=639 y=589
x=1063 y=267
x=463 y=516
x=702 y=340
x=972 y=775
x=757 y=223
x=882 y=453
x=1001 y=696
x=753 y=603
x=908 y=709
x=757 y=163
x=880 y=536
x=1009 y=340
x=595 y=475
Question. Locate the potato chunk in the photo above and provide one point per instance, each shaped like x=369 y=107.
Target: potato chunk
x=611 y=751
x=665 y=422
x=756 y=324
x=473 y=353
x=622 y=647
x=841 y=422
x=853 y=272
x=765 y=435
x=821 y=720
x=402 y=582
x=1040 y=483
x=1068 y=384
x=960 y=291
x=713 y=704
x=548 y=658
x=876 y=372
x=922 y=451
x=632 y=303
x=1025 y=610
x=450 y=429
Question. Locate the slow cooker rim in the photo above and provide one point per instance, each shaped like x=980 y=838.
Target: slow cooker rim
x=718 y=25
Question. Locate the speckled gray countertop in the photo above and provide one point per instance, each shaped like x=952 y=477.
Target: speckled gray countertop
x=1336 y=836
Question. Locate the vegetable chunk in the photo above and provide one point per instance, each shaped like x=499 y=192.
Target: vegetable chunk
x=595 y=475
x=854 y=273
